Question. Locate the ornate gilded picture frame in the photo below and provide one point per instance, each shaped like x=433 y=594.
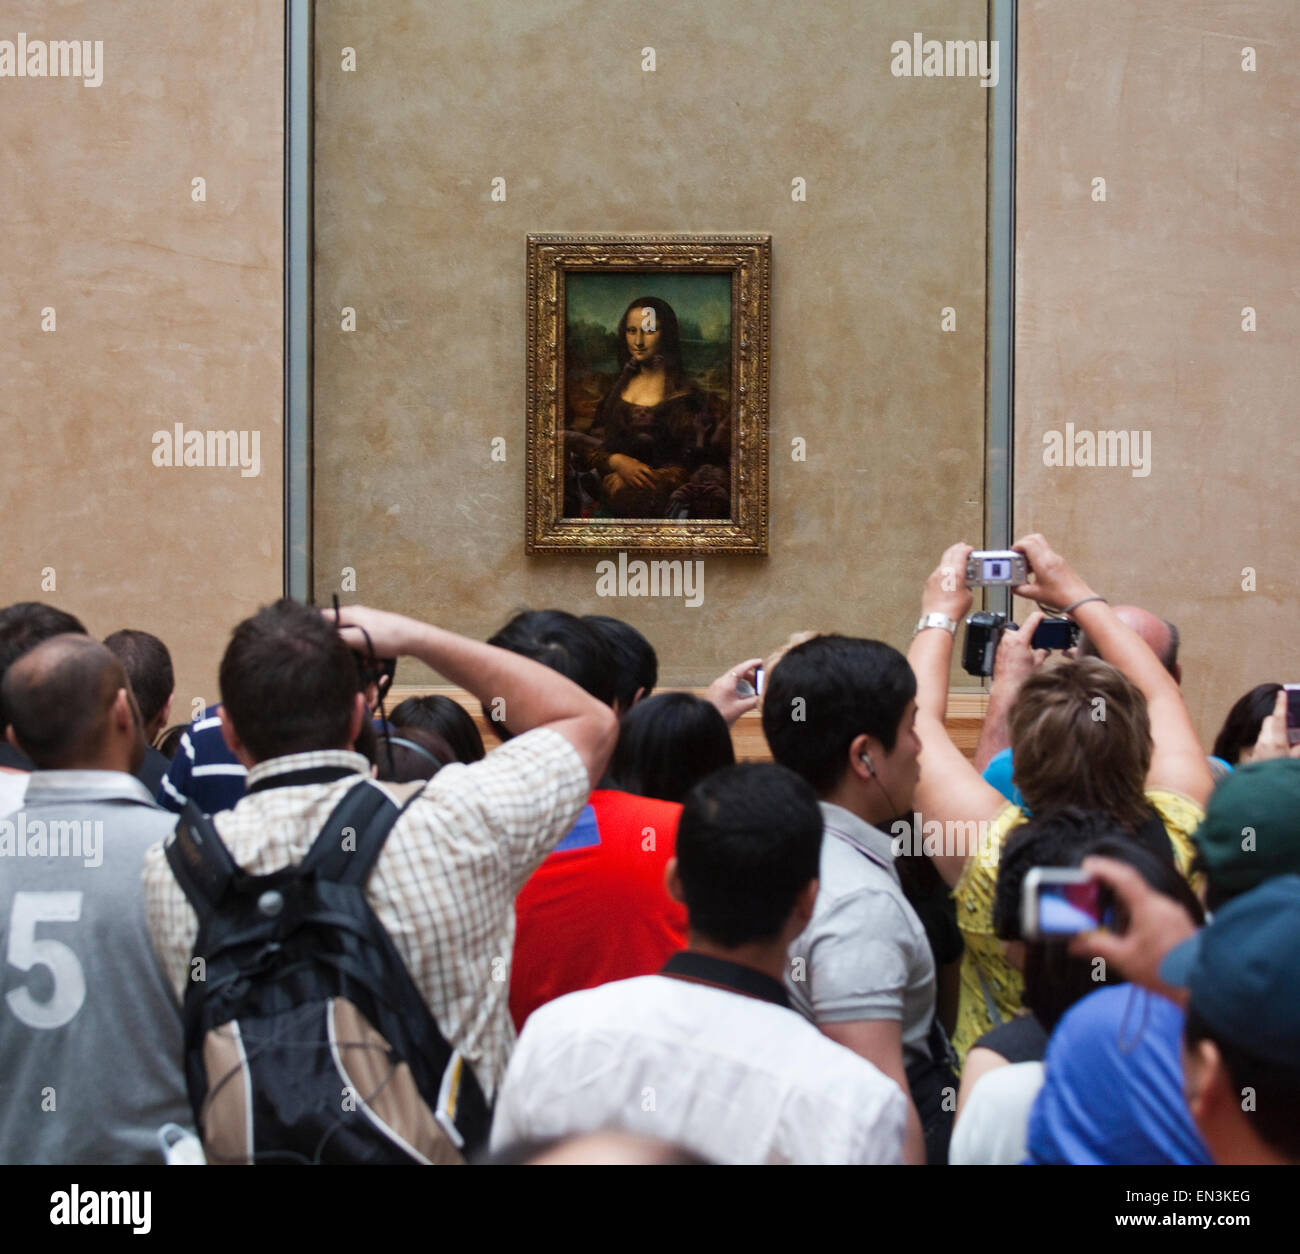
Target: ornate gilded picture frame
x=648 y=361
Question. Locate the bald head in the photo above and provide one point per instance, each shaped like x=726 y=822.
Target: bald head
x=69 y=706
x=1159 y=635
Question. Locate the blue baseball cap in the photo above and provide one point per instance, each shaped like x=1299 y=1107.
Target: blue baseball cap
x=1243 y=971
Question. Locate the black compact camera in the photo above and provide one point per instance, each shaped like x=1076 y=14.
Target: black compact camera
x=984 y=631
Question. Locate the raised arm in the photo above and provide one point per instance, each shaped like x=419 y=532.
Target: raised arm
x=1015 y=661
x=950 y=788
x=532 y=695
x=1177 y=759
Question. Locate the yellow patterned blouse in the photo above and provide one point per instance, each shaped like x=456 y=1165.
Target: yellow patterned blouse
x=991 y=987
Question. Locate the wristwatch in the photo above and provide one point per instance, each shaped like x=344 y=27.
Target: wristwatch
x=935 y=619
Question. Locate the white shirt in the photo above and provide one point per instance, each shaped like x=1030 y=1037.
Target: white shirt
x=993 y=1127
x=734 y=1078
x=13 y=787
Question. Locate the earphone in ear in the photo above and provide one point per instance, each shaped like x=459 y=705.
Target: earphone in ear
x=865 y=758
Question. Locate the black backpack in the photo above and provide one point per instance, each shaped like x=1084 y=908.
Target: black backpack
x=306 y=1040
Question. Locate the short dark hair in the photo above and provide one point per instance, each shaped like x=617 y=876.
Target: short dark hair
x=58 y=696
x=148 y=666
x=1240 y=729
x=24 y=625
x=748 y=842
x=1275 y=1114
x=635 y=664
x=443 y=717
x=827 y=691
x=667 y=744
x=288 y=682
x=1053 y=979
x=562 y=641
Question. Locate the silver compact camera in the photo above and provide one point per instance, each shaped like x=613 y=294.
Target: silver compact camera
x=996 y=566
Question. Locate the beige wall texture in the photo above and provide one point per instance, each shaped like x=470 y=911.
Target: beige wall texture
x=166 y=310
x=552 y=97
x=1129 y=316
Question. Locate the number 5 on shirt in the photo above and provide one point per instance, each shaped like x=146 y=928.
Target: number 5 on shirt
x=25 y=951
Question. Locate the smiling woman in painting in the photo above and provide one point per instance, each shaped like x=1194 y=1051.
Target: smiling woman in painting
x=664 y=452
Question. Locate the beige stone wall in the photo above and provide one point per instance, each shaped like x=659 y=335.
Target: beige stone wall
x=552 y=97
x=1129 y=315
x=166 y=310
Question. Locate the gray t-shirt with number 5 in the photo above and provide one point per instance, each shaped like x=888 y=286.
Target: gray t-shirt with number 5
x=90 y=1033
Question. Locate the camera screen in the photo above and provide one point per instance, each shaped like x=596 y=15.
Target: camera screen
x=1064 y=909
x=997 y=568
x=1292 y=713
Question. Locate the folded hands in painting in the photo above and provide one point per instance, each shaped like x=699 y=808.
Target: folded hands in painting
x=628 y=471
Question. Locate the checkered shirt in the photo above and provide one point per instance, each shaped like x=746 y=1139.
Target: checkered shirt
x=444 y=885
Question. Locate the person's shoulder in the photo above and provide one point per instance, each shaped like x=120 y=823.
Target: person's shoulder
x=850 y=883
x=1016 y=1040
x=1017 y=1081
x=1177 y=811
x=206 y=744
x=614 y=805
x=592 y=1009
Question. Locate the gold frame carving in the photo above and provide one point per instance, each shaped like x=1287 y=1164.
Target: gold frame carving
x=748 y=259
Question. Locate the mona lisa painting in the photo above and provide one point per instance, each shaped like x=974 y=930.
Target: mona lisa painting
x=647 y=392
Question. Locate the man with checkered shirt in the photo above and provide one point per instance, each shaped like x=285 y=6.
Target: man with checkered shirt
x=445 y=882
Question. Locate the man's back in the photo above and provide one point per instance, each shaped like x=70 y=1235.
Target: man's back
x=597 y=909
x=443 y=886
x=90 y=1034
x=735 y=1078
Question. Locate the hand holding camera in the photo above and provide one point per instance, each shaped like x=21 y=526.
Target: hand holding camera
x=367 y=631
x=1279 y=734
x=1054 y=583
x=946 y=590
x=995 y=646
x=1150 y=925
x=735 y=691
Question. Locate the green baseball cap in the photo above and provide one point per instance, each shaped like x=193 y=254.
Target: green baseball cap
x=1251 y=830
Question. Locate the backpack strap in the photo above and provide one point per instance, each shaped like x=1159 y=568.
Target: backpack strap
x=347 y=857
x=201 y=864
